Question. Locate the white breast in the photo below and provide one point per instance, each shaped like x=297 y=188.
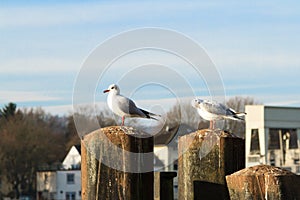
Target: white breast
x=207 y=115
x=114 y=107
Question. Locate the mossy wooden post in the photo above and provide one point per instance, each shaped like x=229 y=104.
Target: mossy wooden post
x=163 y=185
x=117 y=163
x=263 y=182
x=205 y=158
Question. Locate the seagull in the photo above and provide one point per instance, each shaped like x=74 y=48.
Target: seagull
x=125 y=107
x=211 y=111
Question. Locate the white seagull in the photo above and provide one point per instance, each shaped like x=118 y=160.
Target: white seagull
x=123 y=106
x=212 y=111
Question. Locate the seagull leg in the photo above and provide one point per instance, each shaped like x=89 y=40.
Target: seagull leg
x=210 y=124
x=123 y=119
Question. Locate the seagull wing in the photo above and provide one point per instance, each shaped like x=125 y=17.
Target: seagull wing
x=134 y=110
x=232 y=114
x=127 y=106
x=213 y=107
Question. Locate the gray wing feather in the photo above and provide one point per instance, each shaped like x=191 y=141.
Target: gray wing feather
x=128 y=106
x=218 y=109
x=230 y=111
x=133 y=110
x=214 y=107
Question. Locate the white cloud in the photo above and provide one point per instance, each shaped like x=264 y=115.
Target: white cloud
x=235 y=61
x=232 y=59
x=162 y=106
x=60 y=14
x=284 y=103
x=155 y=105
x=37 y=65
x=107 y=12
x=25 y=96
x=59 y=109
x=279 y=100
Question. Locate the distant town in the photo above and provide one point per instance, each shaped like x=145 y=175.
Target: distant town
x=41 y=153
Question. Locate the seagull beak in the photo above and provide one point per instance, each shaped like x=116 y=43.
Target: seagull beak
x=105 y=91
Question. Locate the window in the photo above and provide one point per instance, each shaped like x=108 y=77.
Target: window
x=272 y=157
x=291 y=137
x=288 y=138
x=175 y=165
x=70 y=195
x=76 y=166
x=274 y=139
x=70 y=178
x=254 y=148
x=254 y=158
x=296 y=158
x=45 y=179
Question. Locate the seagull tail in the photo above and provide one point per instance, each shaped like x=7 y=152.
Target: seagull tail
x=237 y=116
x=240 y=114
x=150 y=115
x=153 y=118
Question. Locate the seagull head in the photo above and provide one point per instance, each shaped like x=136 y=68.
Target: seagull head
x=195 y=103
x=113 y=88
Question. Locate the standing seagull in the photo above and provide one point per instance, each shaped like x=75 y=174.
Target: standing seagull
x=212 y=111
x=123 y=106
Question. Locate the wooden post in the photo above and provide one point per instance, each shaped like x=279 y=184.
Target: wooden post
x=163 y=185
x=263 y=182
x=117 y=163
x=206 y=157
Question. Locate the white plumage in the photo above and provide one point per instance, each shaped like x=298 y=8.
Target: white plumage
x=211 y=111
x=123 y=106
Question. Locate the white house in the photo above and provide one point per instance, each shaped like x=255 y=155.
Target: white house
x=64 y=183
x=273 y=136
x=73 y=158
x=166 y=146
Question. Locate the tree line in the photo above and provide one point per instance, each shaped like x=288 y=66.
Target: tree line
x=32 y=139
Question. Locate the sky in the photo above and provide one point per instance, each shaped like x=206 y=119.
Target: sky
x=44 y=45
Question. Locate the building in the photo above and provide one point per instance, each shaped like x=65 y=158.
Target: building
x=273 y=136
x=166 y=150
x=73 y=158
x=166 y=146
x=64 y=183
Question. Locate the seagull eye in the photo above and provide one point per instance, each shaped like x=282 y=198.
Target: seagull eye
x=113 y=88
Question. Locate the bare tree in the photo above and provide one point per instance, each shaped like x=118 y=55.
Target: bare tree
x=87 y=119
x=27 y=140
x=238 y=103
x=183 y=113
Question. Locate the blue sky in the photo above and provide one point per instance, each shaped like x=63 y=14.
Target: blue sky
x=255 y=45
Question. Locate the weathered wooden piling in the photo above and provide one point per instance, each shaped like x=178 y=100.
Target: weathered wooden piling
x=205 y=158
x=263 y=182
x=163 y=185
x=117 y=163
